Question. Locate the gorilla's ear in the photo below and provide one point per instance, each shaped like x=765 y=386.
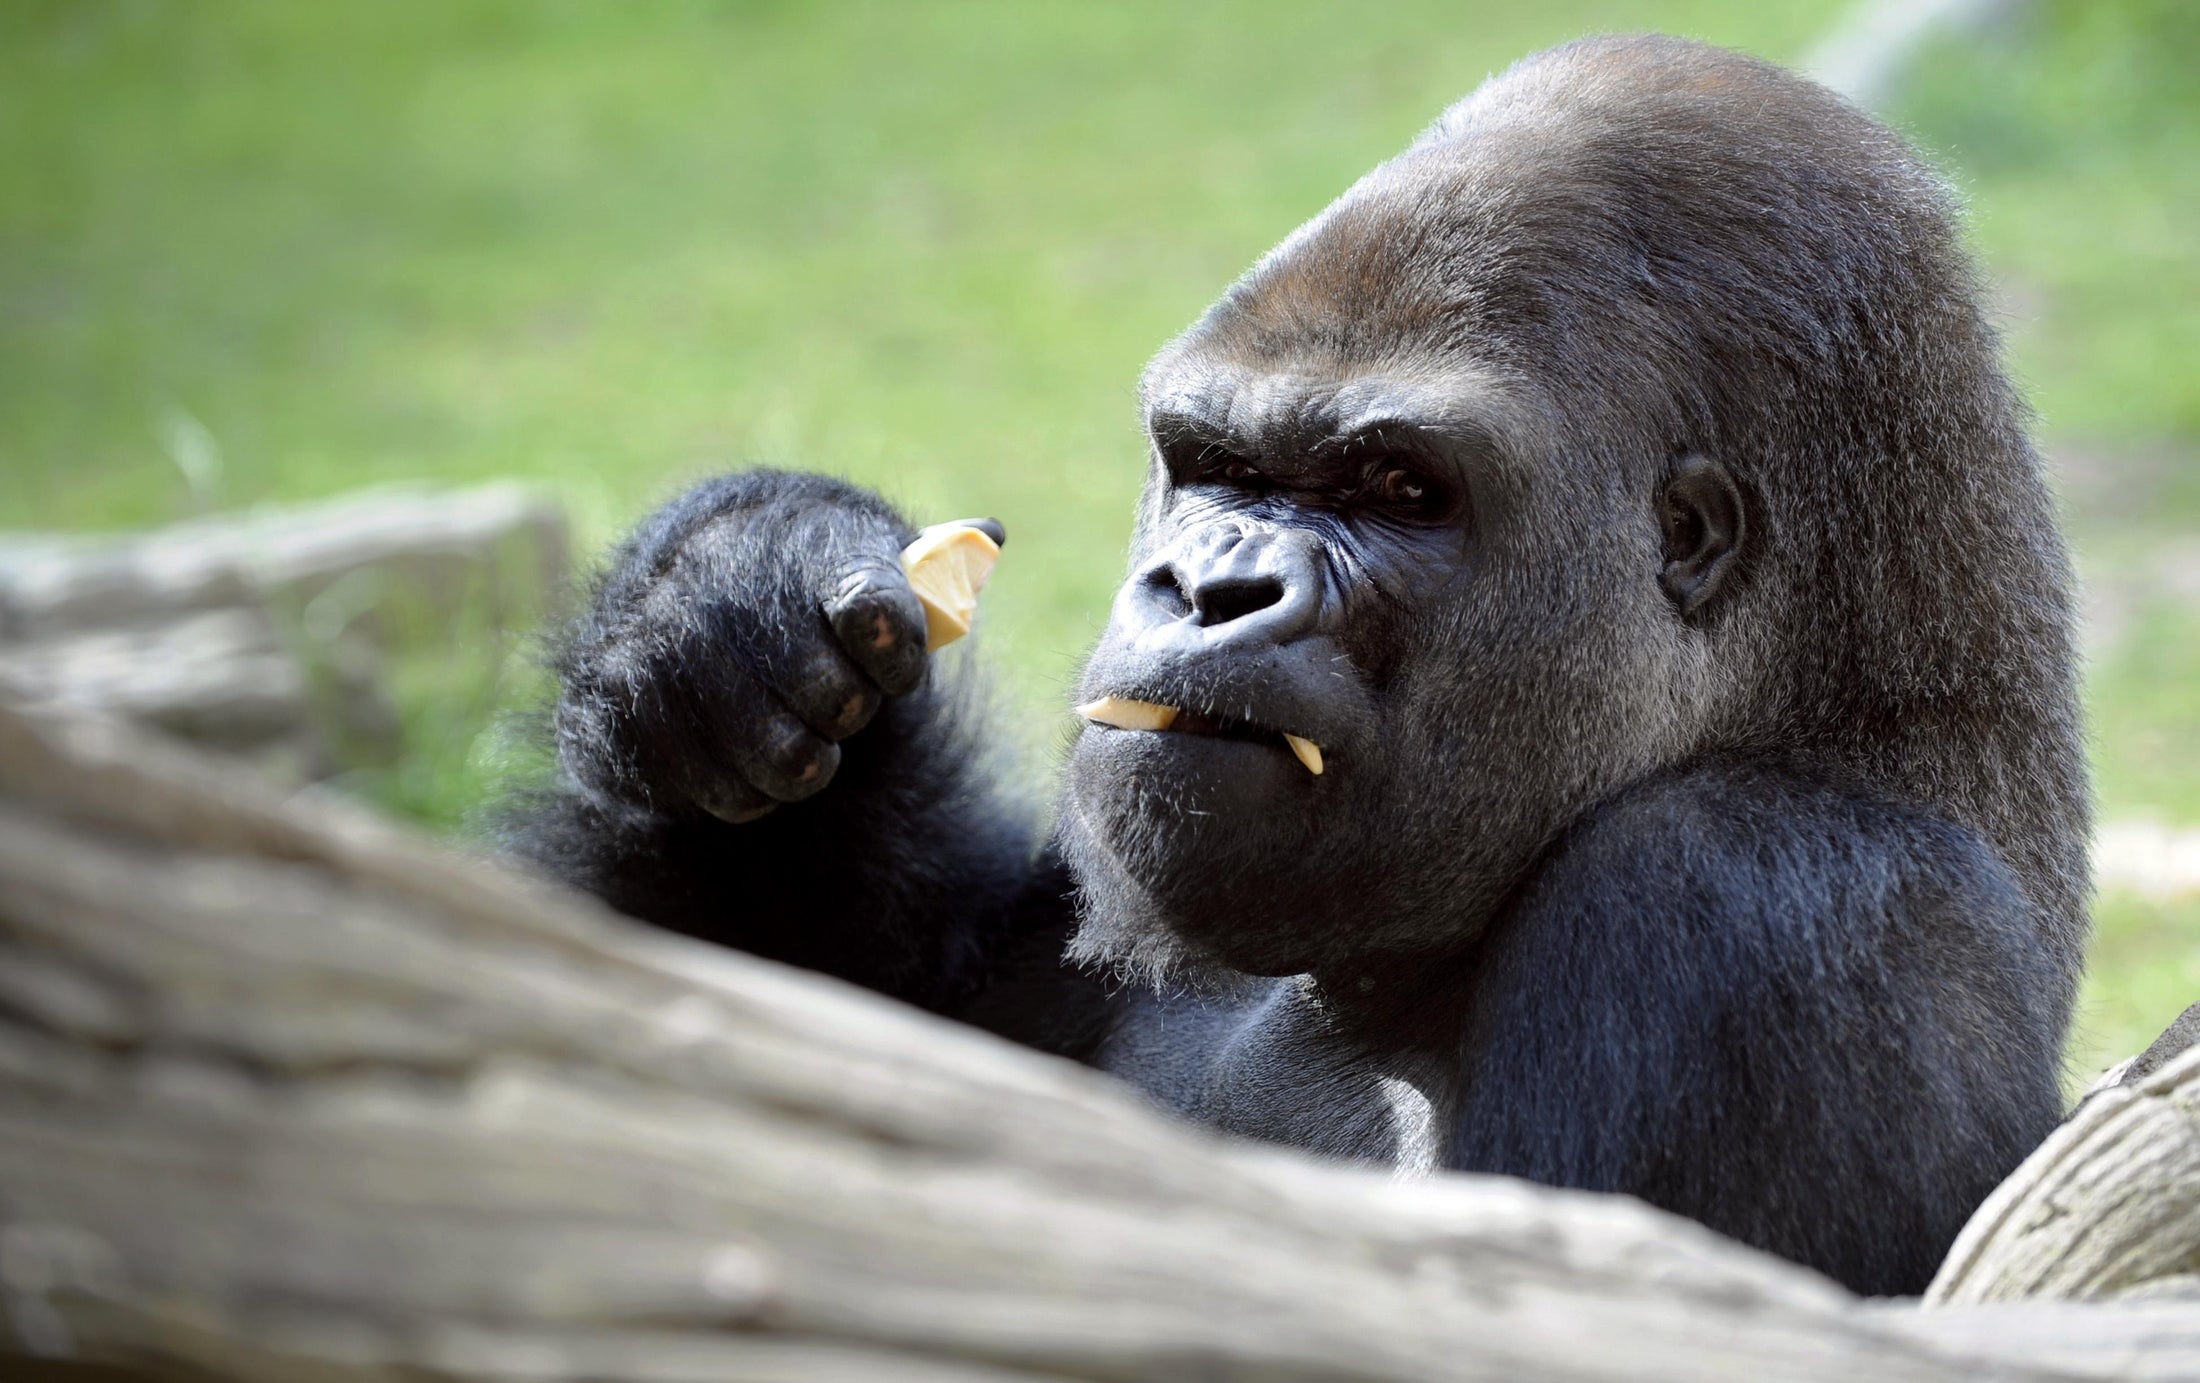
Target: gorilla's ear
x=1701 y=514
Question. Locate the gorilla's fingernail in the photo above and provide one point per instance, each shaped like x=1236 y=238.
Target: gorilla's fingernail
x=1125 y=714
x=851 y=711
x=1309 y=753
x=738 y=816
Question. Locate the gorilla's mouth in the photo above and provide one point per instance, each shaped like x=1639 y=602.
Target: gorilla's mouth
x=1124 y=713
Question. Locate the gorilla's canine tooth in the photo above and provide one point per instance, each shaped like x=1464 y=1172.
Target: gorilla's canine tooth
x=1126 y=714
x=1309 y=753
x=947 y=566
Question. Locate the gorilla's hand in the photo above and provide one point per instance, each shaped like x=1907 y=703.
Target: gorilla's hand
x=744 y=631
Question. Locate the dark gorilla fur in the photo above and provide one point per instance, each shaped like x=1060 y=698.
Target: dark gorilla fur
x=1622 y=487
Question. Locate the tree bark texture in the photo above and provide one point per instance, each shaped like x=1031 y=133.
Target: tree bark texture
x=287 y=1094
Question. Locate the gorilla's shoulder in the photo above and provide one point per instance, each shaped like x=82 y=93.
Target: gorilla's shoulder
x=1721 y=841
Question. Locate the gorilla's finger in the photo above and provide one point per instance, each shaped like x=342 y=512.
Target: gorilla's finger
x=880 y=621
x=820 y=684
x=678 y=744
x=749 y=736
x=731 y=800
x=785 y=758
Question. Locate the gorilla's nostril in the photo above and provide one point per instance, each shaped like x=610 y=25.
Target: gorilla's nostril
x=1220 y=602
x=1168 y=592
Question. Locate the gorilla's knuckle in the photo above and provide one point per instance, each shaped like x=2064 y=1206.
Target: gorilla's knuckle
x=882 y=628
x=818 y=672
x=857 y=574
x=830 y=695
x=792 y=762
x=873 y=603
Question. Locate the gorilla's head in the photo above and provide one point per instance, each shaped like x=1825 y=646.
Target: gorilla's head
x=1641 y=410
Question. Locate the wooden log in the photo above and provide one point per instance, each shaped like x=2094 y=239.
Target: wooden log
x=221 y=677
x=286 y=1094
x=262 y=633
x=501 y=543
x=2108 y=1207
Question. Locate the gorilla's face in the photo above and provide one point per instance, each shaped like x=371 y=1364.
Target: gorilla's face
x=1369 y=529
x=1296 y=536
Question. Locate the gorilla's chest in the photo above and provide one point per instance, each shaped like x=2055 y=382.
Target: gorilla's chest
x=1266 y=1062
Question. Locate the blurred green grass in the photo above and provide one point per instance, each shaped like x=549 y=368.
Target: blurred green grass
x=613 y=248
x=2075 y=133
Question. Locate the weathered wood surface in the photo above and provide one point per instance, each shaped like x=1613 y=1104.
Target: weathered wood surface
x=2108 y=1207
x=288 y=1095
x=504 y=542
x=261 y=633
x=220 y=677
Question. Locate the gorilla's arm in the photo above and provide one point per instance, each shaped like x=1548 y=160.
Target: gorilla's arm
x=1819 y=1024
x=755 y=751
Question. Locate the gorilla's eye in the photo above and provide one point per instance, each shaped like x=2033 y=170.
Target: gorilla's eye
x=1239 y=473
x=1407 y=491
x=1401 y=486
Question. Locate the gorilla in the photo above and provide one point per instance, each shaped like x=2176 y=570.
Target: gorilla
x=1620 y=494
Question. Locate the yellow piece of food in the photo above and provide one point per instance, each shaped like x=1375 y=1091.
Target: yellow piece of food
x=1309 y=753
x=1126 y=714
x=947 y=566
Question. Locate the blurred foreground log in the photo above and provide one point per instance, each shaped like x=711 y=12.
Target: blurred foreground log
x=288 y=1095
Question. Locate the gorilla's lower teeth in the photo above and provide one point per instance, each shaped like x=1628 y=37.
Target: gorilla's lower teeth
x=1126 y=714
x=1309 y=753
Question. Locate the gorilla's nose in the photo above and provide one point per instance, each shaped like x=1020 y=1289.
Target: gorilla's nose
x=1226 y=587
